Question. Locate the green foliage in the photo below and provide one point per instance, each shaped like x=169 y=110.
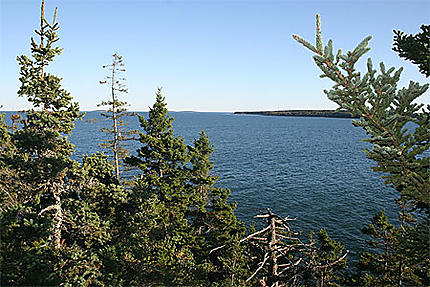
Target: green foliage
x=382 y=269
x=327 y=260
x=71 y=224
x=415 y=248
x=175 y=215
x=159 y=237
x=391 y=265
x=65 y=223
x=200 y=155
x=399 y=130
x=8 y=177
x=213 y=220
x=49 y=236
x=385 y=113
x=415 y=48
x=162 y=154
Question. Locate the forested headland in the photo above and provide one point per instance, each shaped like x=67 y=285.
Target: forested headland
x=82 y=223
x=303 y=113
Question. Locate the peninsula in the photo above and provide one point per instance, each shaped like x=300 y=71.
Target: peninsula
x=303 y=113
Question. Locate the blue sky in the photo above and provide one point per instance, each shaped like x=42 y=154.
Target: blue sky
x=207 y=55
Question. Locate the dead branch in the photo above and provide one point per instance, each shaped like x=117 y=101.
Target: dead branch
x=244 y=239
x=51 y=207
x=266 y=257
x=289 y=265
x=332 y=263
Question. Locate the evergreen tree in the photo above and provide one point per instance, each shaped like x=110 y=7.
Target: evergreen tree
x=49 y=236
x=8 y=177
x=162 y=155
x=159 y=243
x=175 y=215
x=106 y=198
x=326 y=260
x=117 y=110
x=201 y=167
x=413 y=245
x=214 y=222
x=385 y=114
x=415 y=48
x=384 y=269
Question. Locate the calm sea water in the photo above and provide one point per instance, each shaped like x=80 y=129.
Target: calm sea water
x=310 y=168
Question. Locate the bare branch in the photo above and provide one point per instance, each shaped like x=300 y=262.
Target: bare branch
x=266 y=257
x=51 y=207
x=334 y=262
x=244 y=239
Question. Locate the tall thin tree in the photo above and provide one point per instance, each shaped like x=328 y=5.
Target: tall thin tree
x=117 y=110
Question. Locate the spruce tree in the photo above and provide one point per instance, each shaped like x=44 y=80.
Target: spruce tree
x=385 y=268
x=327 y=260
x=415 y=48
x=214 y=222
x=200 y=154
x=49 y=236
x=175 y=215
x=384 y=114
x=398 y=130
x=117 y=110
x=159 y=237
x=106 y=198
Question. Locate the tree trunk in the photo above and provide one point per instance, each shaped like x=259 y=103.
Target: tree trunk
x=58 y=217
x=115 y=126
x=42 y=20
x=273 y=267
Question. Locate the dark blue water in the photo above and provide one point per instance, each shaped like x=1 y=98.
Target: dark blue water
x=310 y=168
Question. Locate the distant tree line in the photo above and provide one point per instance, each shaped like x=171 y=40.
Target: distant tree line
x=71 y=223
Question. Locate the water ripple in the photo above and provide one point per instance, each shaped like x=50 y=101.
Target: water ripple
x=310 y=168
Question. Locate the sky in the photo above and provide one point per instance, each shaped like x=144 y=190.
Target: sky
x=210 y=56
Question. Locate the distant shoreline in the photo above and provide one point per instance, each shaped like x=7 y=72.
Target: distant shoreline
x=282 y=113
x=303 y=113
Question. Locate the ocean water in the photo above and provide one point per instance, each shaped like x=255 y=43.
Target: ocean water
x=310 y=168
x=313 y=169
